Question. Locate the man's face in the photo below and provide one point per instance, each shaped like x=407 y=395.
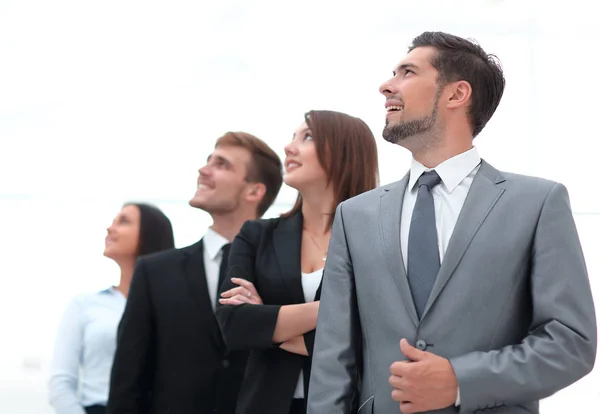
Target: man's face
x=222 y=184
x=412 y=96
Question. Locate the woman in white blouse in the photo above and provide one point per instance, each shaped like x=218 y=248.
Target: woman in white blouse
x=86 y=339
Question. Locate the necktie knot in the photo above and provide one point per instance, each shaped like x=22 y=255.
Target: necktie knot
x=429 y=179
x=225 y=250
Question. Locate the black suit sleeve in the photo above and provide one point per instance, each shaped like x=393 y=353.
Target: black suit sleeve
x=309 y=341
x=132 y=370
x=246 y=326
x=309 y=337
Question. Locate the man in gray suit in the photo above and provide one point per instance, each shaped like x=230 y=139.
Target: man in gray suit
x=459 y=288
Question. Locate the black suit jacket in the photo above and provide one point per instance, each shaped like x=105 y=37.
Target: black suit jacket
x=171 y=358
x=267 y=253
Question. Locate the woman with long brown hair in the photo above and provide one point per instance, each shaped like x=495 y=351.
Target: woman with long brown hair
x=270 y=300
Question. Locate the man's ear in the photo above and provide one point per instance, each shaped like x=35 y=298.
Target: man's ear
x=256 y=192
x=460 y=94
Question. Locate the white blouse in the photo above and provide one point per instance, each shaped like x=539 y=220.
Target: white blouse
x=84 y=351
x=310 y=285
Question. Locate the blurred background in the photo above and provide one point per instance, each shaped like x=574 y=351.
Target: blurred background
x=114 y=101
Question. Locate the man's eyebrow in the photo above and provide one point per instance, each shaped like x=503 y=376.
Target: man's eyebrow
x=405 y=66
x=218 y=158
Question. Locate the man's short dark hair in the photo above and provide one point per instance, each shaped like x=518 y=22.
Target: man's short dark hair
x=461 y=59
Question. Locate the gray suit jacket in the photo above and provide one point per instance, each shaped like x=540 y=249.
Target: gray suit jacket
x=511 y=307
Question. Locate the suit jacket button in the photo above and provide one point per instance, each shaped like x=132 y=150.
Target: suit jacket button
x=225 y=363
x=421 y=344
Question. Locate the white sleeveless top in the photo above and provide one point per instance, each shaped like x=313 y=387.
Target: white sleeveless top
x=310 y=285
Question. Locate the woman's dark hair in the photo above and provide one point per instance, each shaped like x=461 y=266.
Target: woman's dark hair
x=156 y=232
x=347 y=152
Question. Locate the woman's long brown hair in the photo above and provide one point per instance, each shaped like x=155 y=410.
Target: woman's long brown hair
x=347 y=151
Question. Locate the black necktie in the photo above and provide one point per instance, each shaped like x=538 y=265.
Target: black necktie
x=423 y=252
x=223 y=269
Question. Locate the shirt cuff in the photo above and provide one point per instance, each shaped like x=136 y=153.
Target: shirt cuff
x=457 y=403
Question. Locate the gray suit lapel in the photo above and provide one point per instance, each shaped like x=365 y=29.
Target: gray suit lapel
x=483 y=195
x=390 y=212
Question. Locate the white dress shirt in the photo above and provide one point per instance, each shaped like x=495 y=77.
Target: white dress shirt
x=310 y=285
x=84 y=351
x=213 y=255
x=457 y=174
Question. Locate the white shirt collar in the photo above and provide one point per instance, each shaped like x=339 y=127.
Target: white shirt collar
x=113 y=291
x=213 y=243
x=452 y=171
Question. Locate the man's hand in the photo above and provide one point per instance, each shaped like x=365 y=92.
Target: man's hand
x=425 y=382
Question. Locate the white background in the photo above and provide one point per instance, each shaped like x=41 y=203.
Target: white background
x=114 y=101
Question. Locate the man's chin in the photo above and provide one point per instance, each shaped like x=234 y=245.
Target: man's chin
x=194 y=202
x=390 y=135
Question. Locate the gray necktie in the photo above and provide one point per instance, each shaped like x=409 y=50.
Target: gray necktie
x=423 y=252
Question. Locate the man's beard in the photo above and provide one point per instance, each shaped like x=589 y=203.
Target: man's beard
x=219 y=205
x=398 y=132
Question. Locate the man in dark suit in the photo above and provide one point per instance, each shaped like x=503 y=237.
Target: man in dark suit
x=170 y=355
